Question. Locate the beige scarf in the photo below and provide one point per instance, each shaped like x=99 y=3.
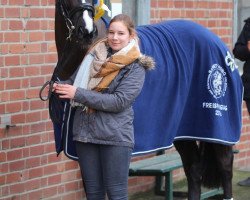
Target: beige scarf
x=103 y=69
x=97 y=70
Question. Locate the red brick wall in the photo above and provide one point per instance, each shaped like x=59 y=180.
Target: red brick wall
x=216 y=15
x=29 y=167
x=28 y=163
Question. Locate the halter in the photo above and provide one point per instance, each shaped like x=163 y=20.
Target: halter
x=68 y=15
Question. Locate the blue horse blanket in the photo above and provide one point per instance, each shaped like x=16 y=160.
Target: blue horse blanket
x=195 y=92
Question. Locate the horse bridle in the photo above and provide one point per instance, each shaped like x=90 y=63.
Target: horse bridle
x=68 y=15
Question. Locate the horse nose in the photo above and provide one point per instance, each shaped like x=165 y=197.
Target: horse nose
x=82 y=32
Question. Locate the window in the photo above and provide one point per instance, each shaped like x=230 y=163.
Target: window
x=139 y=10
x=116 y=7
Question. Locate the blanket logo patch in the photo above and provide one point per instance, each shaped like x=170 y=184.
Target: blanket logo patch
x=217 y=81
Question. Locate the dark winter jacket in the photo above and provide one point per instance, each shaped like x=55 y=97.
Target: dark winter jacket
x=112 y=121
x=242 y=53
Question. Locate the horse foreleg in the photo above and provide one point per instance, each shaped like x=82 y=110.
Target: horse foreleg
x=224 y=156
x=190 y=156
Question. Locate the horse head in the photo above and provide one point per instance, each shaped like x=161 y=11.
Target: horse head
x=75 y=31
x=79 y=19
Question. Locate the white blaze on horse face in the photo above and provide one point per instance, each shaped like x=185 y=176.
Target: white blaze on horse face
x=88 y=21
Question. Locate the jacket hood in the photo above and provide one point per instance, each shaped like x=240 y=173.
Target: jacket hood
x=147 y=62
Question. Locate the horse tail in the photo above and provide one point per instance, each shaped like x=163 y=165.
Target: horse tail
x=211 y=177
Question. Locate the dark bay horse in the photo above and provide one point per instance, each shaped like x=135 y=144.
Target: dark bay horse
x=206 y=160
x=75 y=31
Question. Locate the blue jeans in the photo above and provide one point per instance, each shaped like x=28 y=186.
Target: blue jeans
x=104 y=170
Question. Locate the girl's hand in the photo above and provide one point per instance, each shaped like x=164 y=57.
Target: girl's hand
x=54 y=86
x=65 y=91
x=248 y=45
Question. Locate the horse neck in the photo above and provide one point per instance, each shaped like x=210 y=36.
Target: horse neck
x=61 y=32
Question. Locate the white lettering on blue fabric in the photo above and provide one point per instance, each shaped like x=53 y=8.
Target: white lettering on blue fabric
x=219 y=108
x=230 y=62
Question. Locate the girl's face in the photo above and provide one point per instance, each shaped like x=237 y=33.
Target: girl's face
x=118 y=36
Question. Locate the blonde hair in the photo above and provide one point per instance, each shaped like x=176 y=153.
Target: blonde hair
x=127 y=21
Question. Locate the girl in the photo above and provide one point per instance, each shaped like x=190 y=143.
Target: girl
x=103 y=93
